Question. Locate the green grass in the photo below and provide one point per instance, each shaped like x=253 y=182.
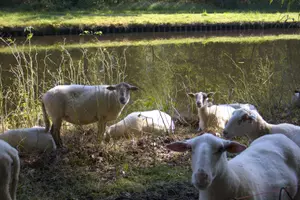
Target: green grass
x=187 y=40
x=92 y=19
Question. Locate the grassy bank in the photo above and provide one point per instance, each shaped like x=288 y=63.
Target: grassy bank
x=185 y=40
x=93 y=19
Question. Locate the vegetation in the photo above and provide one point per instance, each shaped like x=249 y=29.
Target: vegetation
x=152 y=5
x=97 y=18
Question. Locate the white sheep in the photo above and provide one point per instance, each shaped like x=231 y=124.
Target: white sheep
x=212 y=117
x=258 y=173
x=250 y=123
x=243 y=105
x=84 y=104
x=9 y=171
x=137 y=122
x=34 y=139
x=296 y=99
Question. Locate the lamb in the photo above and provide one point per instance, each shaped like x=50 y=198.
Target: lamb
x=84 y=104
x=213 y=117
x=9 y=171
x=34 y=139
x=138 y=122
x=259 y=172
x=250 y=123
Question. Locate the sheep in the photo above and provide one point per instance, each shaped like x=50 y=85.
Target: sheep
x=84 y=104
x=259 y=172
x=138 y=122
x=213 y=117
x=250 y=123
x=9 y=171
x=241 y=105
x=296 y=99
x=34 y=139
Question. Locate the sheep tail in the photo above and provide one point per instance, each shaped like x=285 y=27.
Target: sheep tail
x=46 y=118
x=15 y=172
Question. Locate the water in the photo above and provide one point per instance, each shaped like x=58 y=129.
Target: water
x=264 y=74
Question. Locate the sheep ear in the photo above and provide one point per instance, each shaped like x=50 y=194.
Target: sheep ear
x=296 y=91
x=234 y=147
x=111 y=87
x=133 y=88
x=210 y=94
x=191 y=94
x=247 y=117
x=179 y=146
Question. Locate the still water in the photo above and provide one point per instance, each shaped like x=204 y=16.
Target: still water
x=263 y=73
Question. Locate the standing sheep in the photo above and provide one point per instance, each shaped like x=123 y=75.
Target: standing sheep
x=250 y=123
x=138 y=122
x=9 y=171
x=258 y=173
x=213 y=117
x=84 y=104
x=34 y=139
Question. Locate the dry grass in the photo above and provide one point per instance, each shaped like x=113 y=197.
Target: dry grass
x=89 y=170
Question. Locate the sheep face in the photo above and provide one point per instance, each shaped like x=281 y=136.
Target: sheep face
x=123 y=91
x=202 y=98
x=208 y=157
x=242 y=120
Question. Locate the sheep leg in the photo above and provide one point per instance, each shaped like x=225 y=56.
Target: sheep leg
x=101 y=129
x=55 y=132
x=5 y=174
x=15 y=175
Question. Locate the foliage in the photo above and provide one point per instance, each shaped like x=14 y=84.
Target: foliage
x=149 y=4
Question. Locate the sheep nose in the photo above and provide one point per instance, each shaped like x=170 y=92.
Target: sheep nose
x=225 y=133
x=122 y=100
x=202 y=175
x=198 y=104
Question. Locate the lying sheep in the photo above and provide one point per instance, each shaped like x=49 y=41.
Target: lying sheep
x=138 y=122
x=9 y=171
x=296 y=99
x=250 y=123
x=213 y=117
x=241 y=105
x=34 y=139
x=84 y=104
x=259 y=172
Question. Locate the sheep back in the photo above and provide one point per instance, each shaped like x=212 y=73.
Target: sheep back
x=30 y=139
x=82 y=104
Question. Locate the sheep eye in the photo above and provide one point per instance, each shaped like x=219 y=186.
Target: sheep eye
x=240 y=121
x=220 y=150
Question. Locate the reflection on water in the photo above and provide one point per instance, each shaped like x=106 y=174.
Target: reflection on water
x=71 y=39
x=256 y=73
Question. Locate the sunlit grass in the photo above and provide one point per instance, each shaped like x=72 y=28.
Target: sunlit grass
x=92 y=19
